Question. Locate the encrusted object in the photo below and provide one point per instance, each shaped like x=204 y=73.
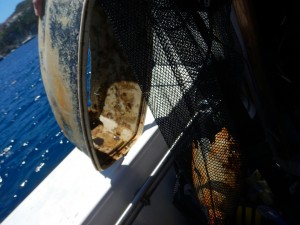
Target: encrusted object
x=105 y=130
x=216 y=176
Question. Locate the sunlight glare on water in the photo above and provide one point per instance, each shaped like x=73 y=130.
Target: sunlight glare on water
x=31 y=143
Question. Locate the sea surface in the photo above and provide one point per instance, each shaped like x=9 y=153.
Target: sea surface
x=31 y=142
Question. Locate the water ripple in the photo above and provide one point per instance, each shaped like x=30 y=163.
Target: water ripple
x=31 y=143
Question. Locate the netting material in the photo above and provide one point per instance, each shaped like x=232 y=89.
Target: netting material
x=185 y=59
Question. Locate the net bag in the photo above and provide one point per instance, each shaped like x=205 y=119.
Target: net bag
x=186 y=58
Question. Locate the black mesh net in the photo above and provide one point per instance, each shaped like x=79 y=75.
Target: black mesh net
x=186 y=59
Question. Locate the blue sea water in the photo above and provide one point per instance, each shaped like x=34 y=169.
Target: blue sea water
x=31 y=142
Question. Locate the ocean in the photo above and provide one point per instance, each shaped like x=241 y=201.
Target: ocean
x=31 y=142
